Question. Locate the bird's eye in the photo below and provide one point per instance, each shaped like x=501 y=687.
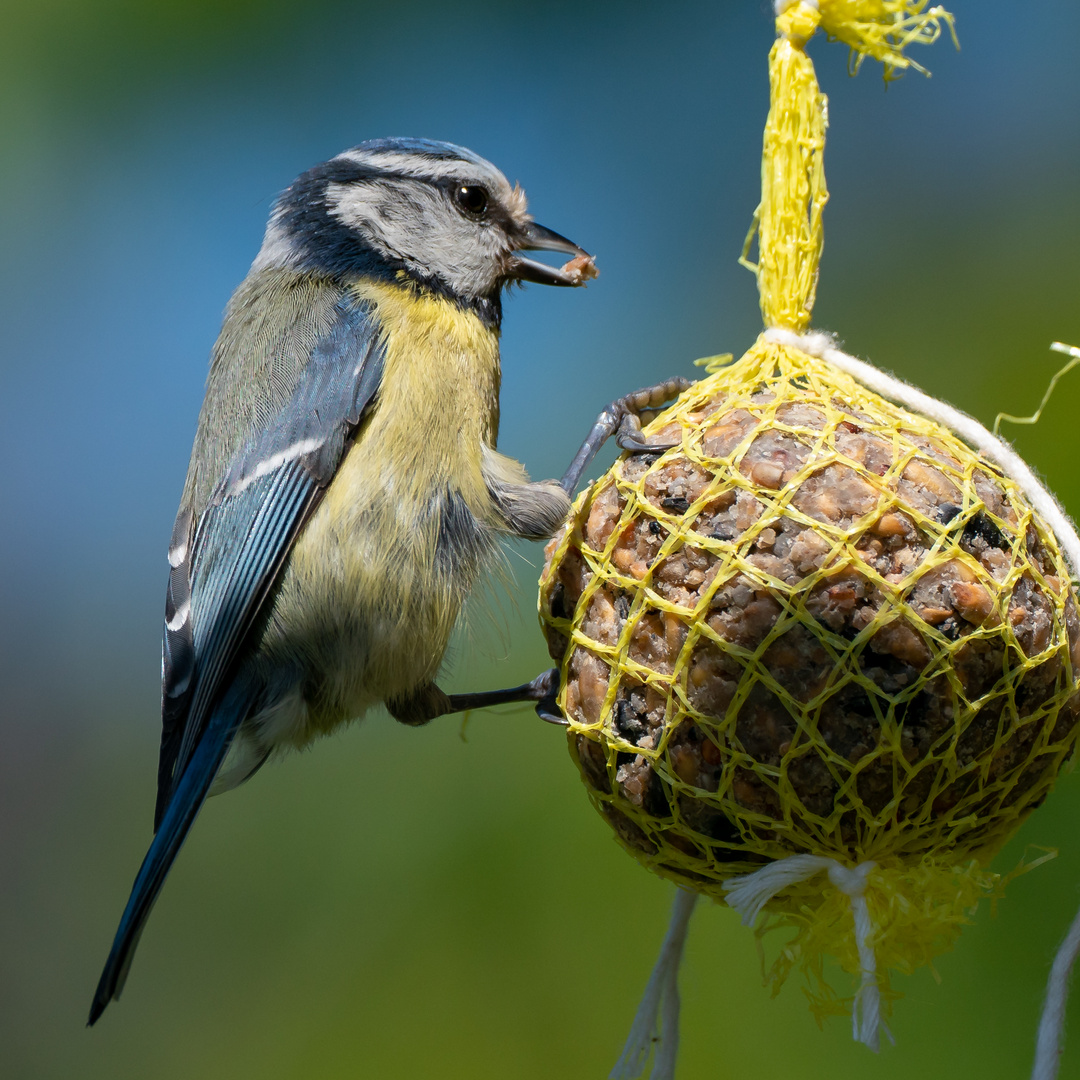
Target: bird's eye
x=471 y=198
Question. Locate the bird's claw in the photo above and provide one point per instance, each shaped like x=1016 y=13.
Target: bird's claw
x=642 y=406
x=544 y=690
x=622 y=418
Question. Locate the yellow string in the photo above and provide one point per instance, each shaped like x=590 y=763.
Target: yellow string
x=788 y=221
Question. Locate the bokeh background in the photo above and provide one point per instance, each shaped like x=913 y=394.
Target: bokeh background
x=438 y=903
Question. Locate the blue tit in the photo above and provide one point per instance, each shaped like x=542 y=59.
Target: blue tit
x=345 y=492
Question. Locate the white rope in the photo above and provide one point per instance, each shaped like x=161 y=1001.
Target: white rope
x=866 y=1009
x=1050 y=1041
x=968 y=428
x=656 y=1022
x=749 y=893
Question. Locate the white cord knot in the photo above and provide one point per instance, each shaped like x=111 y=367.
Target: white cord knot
x=749 y=893
x=850 y=880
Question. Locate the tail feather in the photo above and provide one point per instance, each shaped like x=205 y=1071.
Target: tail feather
x=187 y=799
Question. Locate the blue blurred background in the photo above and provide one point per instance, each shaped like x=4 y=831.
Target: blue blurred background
x=412 y=903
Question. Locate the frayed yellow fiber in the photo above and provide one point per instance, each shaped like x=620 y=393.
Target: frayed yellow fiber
x=883 y=29
x=715 y=363
x=917 y=910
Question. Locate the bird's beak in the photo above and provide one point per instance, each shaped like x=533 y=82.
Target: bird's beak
x=536 y=238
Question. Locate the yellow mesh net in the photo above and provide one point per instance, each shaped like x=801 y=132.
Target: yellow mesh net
x=820 y=624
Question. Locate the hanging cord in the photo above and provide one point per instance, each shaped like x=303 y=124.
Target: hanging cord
x=656 y=1022
x=749 y=893
x=1050 y=1041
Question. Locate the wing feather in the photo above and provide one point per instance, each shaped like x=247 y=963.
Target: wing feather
x=177 y=654
x=246 y=531
x=250 y=534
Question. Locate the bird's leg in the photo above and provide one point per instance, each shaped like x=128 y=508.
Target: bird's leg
x=429 y=701
x=541 y=690
x=622 y=418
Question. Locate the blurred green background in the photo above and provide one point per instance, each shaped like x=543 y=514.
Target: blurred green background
x=408 y=903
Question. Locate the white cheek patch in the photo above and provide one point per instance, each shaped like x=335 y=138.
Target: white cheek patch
x=357 y=205
x=392 y=215
x=413 y=222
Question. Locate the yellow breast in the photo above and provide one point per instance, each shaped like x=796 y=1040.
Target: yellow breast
x=438 y=402
x=370 y=591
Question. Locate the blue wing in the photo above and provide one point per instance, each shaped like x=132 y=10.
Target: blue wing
x=223 y=567
x=247 y=529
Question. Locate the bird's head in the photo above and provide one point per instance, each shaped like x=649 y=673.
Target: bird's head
x=431 y=211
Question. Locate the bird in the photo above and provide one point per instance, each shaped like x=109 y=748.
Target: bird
x=345 y=492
